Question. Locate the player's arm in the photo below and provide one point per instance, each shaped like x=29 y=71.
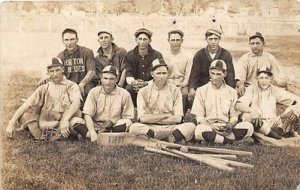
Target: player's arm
x=154 y=118
x=122 y=78
x=12 y=123
x=175 y=119
x=90 y=126
x=87 y=79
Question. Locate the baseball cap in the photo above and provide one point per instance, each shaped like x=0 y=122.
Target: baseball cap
x=218 y=64
x=110 y=69
x=105 y=31
x=257 y=34
x=55 y=62
x=266 y=70
x=144 y=31
x=215 y=31
x=176 y=31
x=158 y=63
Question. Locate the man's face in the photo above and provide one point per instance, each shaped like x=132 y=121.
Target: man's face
x=143 y=41
x=175 y=41
x=105 y=40
x=217 y=77
x=160 y=76
x=70 y=41
x=257 y=46
x=213 y=42
x=108 y=82
x=56 y=74
x=264 y=80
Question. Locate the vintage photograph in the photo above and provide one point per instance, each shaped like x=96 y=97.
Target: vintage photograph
x=150 y=94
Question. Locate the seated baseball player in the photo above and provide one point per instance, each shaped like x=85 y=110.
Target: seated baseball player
x=53 y=108
x=258 y=105
x=108 y=107
x=217 y=119
x=159 y=107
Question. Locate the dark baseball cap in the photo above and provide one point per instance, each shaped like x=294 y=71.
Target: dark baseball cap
x=144 y=31
x=218 y=64
x=266 y=70
x=55 y=62
x=257 y=35
x=110 y=69
x=158 y=63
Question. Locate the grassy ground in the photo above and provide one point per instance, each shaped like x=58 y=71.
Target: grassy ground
x=28 y=164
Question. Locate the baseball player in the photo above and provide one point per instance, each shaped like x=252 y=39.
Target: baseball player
x=110 y=54
x=259 y=106
x=250 y=62
x=159 y=109
x=200 y=70
x=53 y=108
x=179 y=63
x=78 y=61
x=217 y=119
x=138 y=63
x=108 y=107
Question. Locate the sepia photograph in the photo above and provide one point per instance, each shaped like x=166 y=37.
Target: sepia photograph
x=150 y=94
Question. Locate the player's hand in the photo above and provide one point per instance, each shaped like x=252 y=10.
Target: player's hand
x=64 y=128
x=257 y=122
x=9 y=130
x=241 y=89
x=228 y=128
x=191 y=94
x=81 y=88
x=94 y=136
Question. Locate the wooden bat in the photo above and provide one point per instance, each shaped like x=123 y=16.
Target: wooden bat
x=205 y=159
x=159 y=151
x=118 y=139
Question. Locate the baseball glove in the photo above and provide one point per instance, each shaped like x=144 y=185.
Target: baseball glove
x=289 y=122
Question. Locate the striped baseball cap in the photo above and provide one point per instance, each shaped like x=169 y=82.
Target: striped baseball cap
x=158 y=63
x=218 y=64
x=110 y=69
x=55 y=62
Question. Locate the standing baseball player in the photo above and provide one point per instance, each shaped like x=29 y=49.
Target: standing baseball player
x=250 y=62
x=138 y=63
x=53 y=108
x=213 y=106
x=179 y=63
x=203 y=58
x=110 y=54
x=108 y=107
x=259 y=106
x=159 y=109
x=78 y=61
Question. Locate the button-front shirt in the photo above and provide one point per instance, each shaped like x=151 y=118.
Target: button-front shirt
x=248 y=64
x=102 y=106
x=139 y=67
x=179 y=67
x=152 y=100
x=54 y=97
x=215 y=105
x=264 y=101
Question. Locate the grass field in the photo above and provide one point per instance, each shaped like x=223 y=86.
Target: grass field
x=28 y=164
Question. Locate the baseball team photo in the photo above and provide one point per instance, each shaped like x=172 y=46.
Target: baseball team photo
x=150 y=94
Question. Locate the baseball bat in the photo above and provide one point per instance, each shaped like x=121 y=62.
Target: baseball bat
x=117 y=139
x=205 y=159
x=154 y=150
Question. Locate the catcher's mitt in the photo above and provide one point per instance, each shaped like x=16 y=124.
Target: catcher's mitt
x=289 y=123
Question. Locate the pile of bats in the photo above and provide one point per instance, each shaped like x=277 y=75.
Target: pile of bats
x=220 y=158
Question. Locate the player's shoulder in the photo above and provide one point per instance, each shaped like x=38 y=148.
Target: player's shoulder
x=85 y=49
